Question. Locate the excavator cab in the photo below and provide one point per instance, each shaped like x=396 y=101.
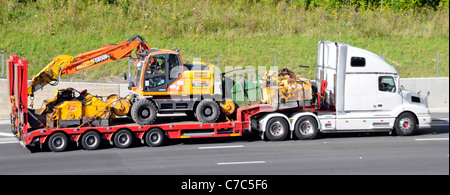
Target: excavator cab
x=157 y=72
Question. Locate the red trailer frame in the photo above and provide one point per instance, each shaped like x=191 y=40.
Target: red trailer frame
x=30 y=137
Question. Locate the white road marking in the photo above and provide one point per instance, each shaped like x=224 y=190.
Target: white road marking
x=220 y=147
x=6 y=134
x=433 y=139
x=9 y=142
x=237 y=163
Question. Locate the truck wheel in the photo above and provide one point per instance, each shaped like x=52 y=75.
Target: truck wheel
x=276 y=129
x=58 y=142
x=154 y=137
x=91 y=140
x=405 y=124
x=207 y=111
x=306 y=128
x=143 y=112
x=123 y=139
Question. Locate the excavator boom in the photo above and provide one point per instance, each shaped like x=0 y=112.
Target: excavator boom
x=67 y=65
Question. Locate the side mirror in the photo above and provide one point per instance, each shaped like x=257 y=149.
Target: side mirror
x=124 y=76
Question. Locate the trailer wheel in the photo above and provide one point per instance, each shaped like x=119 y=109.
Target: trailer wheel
x=306 y=128
x=276 y=129
x=123 y=139
x=207 y=111
x=154 y=137
x=90 y=140
x=58 y=142
x=143 y=112
x=405 y=124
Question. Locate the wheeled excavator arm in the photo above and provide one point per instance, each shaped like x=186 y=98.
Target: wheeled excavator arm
x=67 y=65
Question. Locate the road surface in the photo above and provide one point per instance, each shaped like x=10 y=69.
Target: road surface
x=426 y=152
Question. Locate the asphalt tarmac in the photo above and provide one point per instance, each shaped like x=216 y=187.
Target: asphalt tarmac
x=426 y=152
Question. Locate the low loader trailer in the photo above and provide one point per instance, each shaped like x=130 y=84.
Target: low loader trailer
x=120 y=133
x=355 y=90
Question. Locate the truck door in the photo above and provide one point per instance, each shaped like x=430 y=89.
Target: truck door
x=388 y=98
x=360 y=92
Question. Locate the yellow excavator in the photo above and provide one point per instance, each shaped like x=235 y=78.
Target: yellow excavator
x=162 y=83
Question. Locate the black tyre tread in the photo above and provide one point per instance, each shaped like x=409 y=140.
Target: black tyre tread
x=283 y=122
x=153 y=130
x=216 y=110
x=83 y=141
x=116 y=139
x=299 y=135
x=65 y=139
x=397 y=129
x=135 y=109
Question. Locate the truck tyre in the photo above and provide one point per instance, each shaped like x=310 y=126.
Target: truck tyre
x=90 y=140
x=143 y=112
x=154 y=137
x=58 y=142
x=306 y=128
x=123 y=139
x=207 y=111
x=405 y=124
x=276 y=129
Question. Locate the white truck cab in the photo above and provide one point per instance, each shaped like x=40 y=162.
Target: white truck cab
x=358 y=92
x=365 y=92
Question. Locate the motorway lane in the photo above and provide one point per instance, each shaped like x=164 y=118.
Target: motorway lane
x=427 y=152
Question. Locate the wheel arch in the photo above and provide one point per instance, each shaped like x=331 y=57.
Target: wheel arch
x=410 y=112
x=89 y=130
x=45 y=139
x=265 y=119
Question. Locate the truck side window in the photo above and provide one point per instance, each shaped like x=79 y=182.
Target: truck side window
x=358 y=61
x=386 y=83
